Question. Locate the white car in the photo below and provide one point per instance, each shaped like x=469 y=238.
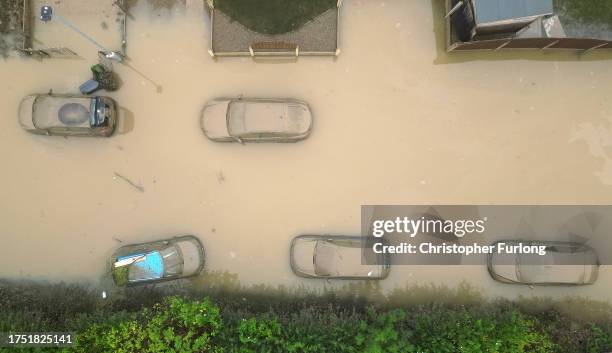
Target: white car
x=563 y=264
x=256 y=120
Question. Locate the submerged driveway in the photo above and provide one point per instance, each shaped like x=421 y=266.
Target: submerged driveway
x=396 y=121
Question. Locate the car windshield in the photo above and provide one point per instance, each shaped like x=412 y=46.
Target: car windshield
x=102 y=114
x=49 y=112
x=554 y=267
x=265 y=117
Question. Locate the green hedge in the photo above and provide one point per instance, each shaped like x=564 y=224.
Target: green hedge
x=181 y=325
x=176 y=325
x=188 y=324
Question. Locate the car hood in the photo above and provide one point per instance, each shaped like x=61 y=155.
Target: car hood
x=214 y=119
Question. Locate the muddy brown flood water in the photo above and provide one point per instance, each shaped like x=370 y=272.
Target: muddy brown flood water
x=397 y=121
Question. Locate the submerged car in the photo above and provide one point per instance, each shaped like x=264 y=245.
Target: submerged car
x=327 y=256
x=157 y=261
x=256 y=120
x=564 y=263
x=68 y=115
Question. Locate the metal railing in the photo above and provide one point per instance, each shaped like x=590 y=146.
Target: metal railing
x=58 y=53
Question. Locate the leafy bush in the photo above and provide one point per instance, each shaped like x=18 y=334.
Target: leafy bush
x=465 y=332
x=259 y=336
x=385 y=332
x=176 y=325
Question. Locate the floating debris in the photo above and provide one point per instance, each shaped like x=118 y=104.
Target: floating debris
x=136 y=186
x=220 y=177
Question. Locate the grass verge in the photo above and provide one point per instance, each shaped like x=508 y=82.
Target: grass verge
x=595 y=12
x=273 y=16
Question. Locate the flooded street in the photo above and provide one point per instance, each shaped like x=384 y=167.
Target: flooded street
x=396 y=121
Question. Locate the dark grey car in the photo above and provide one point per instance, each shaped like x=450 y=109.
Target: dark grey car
x=68 y=115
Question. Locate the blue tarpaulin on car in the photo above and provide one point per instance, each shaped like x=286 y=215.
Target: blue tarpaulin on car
x=150 y=267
